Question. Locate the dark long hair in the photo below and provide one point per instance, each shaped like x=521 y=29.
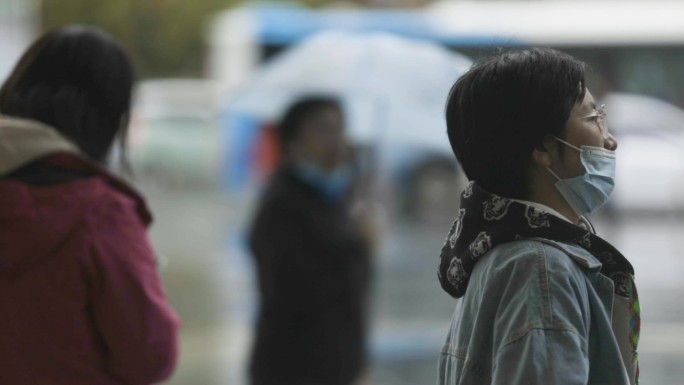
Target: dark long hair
x=79 y=81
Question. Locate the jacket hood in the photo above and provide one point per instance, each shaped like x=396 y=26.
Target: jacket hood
x=486 y=220
x=23 y=141
x=35 y=221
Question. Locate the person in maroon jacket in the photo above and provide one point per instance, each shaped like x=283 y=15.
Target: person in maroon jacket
x=80 y=297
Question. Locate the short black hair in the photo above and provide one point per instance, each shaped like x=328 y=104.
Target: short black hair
x=504 y=107
x=290 y=125
x=79 y=81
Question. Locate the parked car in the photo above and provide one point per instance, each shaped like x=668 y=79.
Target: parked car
x=650 y=154
x=174 y=133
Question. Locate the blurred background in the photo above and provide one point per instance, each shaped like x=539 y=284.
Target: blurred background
x=215 y=75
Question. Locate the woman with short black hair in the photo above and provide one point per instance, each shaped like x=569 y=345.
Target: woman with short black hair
x=543 y=299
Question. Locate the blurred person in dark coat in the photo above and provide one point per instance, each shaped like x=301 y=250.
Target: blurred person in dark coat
x=80 y=297
x=312 y=257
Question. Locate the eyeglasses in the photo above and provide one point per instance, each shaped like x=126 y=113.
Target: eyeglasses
x=599 y=116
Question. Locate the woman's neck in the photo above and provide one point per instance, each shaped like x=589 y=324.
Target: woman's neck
x=544 y=191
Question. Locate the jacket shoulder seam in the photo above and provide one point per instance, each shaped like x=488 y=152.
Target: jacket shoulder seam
x=543 y=329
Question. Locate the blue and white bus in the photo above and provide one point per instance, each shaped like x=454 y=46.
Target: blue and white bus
x=634 y=46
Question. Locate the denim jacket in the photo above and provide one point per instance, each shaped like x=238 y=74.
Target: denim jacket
x=538 y=312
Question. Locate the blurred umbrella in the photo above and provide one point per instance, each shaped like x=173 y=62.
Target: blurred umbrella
x=394 y=89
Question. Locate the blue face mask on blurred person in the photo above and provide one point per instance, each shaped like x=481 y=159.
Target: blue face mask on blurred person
x=333 y=185
x=588 y=192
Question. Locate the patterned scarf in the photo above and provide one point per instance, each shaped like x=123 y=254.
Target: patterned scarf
x=486 y=220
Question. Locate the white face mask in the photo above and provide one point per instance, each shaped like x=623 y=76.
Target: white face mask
x=590 y=191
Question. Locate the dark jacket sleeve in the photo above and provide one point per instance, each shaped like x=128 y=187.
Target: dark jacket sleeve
x=129 y=307
x=278 y=243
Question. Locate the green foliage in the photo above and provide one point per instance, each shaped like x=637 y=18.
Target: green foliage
x=164 y=37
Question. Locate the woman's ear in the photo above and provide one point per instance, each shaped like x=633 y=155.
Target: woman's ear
x=541 y=154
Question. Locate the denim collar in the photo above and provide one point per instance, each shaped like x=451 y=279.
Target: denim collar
x=578 y=254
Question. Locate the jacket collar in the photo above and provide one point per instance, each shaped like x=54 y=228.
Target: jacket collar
x=486 y=220
x=23 y=141
x=578 y=254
